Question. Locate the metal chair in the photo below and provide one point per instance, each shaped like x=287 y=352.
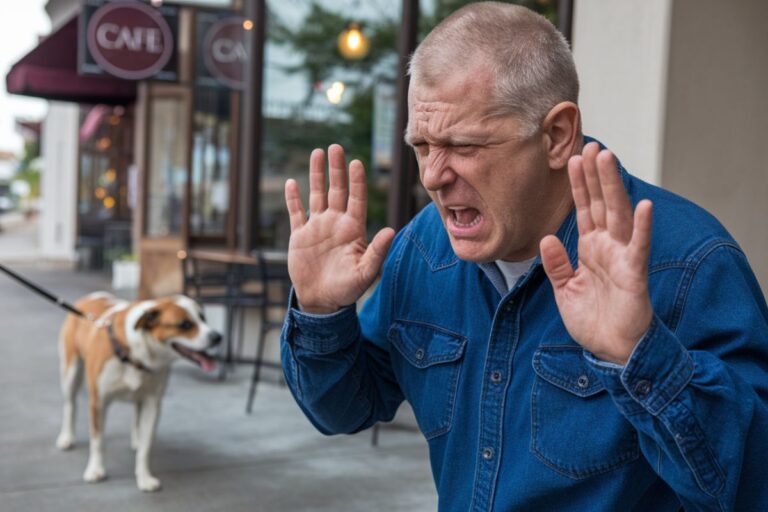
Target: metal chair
x=227 y=284
x=276 y=286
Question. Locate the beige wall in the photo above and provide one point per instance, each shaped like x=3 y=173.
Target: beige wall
x=716 y=127
x=58 y=186
x=678 y=89
x=620 y=49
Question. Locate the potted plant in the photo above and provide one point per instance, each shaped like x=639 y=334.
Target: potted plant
x=125 y=272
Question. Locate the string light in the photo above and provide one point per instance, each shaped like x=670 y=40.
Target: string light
x=352 y=42
x=335 y=92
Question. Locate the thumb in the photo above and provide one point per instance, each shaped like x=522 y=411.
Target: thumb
x=555 y=260
x=377 y=250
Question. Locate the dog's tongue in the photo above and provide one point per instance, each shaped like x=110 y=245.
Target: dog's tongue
x=206 y=363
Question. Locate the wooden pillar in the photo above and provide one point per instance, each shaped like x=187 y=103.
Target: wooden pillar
x=249 y=219
x=401 y=203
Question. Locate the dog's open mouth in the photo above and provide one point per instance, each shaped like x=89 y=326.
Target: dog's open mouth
x=201 y=359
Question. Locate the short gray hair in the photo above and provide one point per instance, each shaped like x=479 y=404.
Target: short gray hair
x=528 y=56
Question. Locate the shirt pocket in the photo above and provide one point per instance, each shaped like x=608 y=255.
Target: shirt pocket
x=428 y=372
x=576 y=429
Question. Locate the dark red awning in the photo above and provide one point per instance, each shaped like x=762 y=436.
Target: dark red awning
x=50 y=71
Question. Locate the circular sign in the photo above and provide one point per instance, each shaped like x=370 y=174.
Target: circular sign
x=224 y=51
x=129 y=39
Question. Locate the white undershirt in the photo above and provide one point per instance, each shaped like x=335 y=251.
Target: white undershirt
x=512 y=270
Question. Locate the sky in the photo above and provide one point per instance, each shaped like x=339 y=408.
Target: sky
x=23 y=22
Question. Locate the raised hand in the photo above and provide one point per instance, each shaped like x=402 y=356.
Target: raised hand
x=604 y=303
x=329 y=260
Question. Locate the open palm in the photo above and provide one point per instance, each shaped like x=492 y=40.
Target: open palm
x=330 y=261
x=604 y=303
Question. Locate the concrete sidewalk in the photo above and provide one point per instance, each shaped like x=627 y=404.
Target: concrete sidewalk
x=208 y=453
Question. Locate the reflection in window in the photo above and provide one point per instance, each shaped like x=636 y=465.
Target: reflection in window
x=210 y=163
x=167 y=172
x=106 y=151
x=314 y=96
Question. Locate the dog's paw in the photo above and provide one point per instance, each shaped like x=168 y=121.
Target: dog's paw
x=65 y=441
x=94 y=474
x=148 y=483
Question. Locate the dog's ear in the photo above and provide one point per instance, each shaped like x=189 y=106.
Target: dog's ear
x=148 y=319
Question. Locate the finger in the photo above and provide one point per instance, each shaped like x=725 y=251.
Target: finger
x=596 y=201
x=374 y=255
x=358 y=191
x=317 y=195
x=580 y=195
x=555 y=260
x=294 y=204
x=337 y=193
x=640 y=244
x=618 y=215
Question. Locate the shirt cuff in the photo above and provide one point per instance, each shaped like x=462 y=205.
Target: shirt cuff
x=655 y=373
x=321 y=334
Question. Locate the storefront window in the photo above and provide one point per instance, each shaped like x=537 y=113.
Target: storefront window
x=167 y=169
x=106 y=151
x=211 y=144
x=317 y=93
x=433 y=11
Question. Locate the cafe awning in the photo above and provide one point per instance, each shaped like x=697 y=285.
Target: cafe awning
x=49 y=71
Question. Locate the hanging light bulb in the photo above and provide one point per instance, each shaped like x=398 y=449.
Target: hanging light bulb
x=352 y=42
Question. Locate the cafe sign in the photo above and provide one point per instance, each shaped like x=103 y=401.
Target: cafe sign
x=224 y=49
x=129 y=39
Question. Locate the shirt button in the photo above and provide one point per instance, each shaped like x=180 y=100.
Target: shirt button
x=508 y=307
x=582 y=381
x=488 y=453
x=419 y=354
x=496 y=377
x=643 y=387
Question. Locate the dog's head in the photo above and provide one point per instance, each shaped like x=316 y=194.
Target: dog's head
x=165 y=329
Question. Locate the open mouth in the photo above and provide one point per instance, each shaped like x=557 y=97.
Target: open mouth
x=201 y=359
x=465 y=217
x=464 y=221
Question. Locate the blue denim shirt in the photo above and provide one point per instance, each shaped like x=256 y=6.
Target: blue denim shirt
x=516 y=414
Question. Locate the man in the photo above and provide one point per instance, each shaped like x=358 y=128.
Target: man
x=558 y=353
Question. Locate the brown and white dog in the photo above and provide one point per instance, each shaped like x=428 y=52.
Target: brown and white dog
x=125 y=353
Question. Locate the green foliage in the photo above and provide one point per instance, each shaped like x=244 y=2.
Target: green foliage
x=28 y=167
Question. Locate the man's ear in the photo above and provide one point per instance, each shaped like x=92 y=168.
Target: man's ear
x=147 y=320
x=562 y=133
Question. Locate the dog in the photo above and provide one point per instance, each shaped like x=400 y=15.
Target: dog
x=124 y=350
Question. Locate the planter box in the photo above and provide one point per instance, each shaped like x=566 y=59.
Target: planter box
x=125 y=275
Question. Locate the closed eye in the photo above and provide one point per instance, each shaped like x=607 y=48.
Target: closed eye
x=465 y=149
x=421 y=149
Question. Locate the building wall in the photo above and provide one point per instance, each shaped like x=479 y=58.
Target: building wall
x=677 y=90
x=621 y=51
x=58 y=187
x=61 y=11
x=717 y=117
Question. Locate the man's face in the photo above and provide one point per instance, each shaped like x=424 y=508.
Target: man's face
x=490 y=182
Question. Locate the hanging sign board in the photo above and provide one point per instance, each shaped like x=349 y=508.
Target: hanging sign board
x=222 y=47
x=128 y=39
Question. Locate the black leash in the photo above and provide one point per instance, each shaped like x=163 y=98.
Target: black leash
x=45 y=293
x=118 y=349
